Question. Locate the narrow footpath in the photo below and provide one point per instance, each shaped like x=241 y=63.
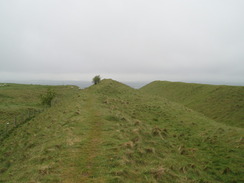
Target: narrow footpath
x=86 y=159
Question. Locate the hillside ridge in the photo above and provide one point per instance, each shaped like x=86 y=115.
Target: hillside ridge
x=222 y=103
x=110 y=132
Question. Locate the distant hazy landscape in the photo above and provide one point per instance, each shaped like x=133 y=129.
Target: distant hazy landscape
x=80 y=84
x=84 y=84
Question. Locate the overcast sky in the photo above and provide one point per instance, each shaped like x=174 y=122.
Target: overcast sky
x=127 y=40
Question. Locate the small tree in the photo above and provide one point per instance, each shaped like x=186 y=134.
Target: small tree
x=46 y=99
x=96 y=79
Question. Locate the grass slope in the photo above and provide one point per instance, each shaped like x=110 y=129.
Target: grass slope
x=224 y=104
x=113 y=133
x=15 y=99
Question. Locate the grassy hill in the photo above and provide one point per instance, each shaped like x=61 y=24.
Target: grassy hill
x=224 y=104
x=113 y=133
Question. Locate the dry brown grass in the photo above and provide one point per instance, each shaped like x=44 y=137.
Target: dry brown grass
x=158 y=172
x=129 y=144
x=156 y=131
x=137 y=122
x=149 y=150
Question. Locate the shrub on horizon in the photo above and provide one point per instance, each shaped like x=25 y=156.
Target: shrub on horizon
x=96 y=79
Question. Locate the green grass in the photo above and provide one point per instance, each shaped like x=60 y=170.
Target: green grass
x=31 y=149
x=15 y=99
x=113 y=133
x=224 y=104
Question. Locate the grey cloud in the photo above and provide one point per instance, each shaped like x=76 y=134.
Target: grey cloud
x=170 y=39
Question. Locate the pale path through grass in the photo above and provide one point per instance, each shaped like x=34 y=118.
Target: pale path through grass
x=85 y=165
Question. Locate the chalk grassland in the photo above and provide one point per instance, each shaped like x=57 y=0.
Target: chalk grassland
x=113 y=133
x=224 y=104
x=16 y=99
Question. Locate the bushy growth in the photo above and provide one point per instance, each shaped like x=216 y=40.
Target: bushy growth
x=96 y=79
x=46 y=99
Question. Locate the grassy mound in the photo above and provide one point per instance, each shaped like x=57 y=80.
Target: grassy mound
x=154 y=140
x=113 y=133
x=224 y=104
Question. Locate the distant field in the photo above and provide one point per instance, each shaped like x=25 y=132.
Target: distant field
x=113 y=133
x=224 y=104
